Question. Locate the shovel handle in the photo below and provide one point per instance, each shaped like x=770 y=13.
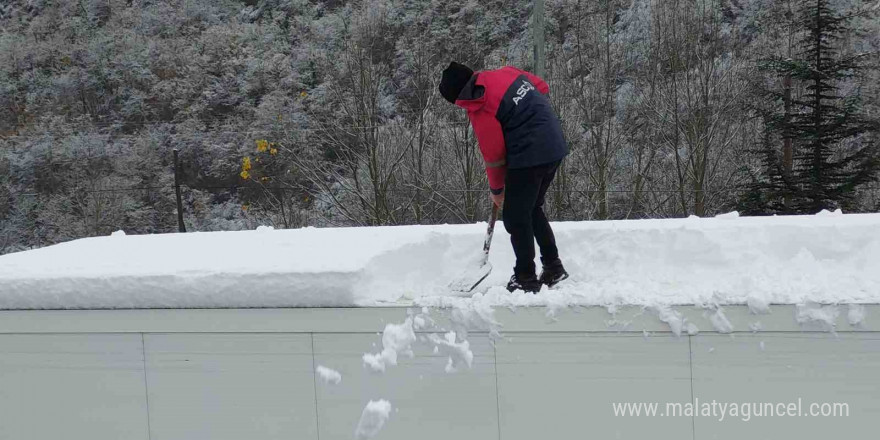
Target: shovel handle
x=490 y=231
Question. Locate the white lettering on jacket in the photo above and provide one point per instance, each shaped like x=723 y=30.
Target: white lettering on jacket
x=521 y=92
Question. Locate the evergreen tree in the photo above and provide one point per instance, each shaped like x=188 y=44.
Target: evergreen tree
x=767 y=191
x=833 y=156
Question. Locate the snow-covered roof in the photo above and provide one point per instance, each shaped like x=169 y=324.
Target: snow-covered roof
x=827 y=258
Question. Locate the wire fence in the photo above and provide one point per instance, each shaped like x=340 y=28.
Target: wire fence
x=393 y=190
x=67 y=129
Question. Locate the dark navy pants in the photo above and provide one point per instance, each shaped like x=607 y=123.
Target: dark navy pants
x=523 y=214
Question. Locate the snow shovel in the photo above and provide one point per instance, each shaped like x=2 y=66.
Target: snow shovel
x=472 y=277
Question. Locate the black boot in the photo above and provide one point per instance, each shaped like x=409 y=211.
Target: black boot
x=552 y=272
x=525 y=283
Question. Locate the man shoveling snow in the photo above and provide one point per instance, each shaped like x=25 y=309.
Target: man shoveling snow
x=522 y=144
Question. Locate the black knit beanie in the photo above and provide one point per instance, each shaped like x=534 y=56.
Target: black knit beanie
x=455 y=77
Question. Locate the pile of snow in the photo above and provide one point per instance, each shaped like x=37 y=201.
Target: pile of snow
x=828 y=258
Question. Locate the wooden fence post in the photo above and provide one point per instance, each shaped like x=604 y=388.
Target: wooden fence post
x=180 y=226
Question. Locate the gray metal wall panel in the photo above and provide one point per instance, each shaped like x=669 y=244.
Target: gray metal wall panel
x=72 y=387
x=230 y=386
x=814 y=367
x=367 y=320
x=563 y=385
x=235 y=374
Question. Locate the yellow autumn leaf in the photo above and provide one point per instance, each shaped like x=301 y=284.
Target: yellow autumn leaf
x=303 y=94
x=246 y=164
x=273 y=151
x=245 y=175
x=262 y=145
x=245 y=207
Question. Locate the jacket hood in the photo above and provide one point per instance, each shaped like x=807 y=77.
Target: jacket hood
x=473 y=95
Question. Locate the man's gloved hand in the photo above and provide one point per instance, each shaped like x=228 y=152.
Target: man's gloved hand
x=497 y=199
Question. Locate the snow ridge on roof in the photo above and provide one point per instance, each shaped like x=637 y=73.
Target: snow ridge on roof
x=826 y=258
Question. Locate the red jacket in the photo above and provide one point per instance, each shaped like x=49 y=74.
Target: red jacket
x=515 y=127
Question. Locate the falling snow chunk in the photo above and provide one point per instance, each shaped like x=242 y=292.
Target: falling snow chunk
x=460 y=354
x=397 y=339
x=329 y=375
x=758 y=305
x=375 y=362
x=119 y=233
x=720 y=321
x=856 y=315
x=373 y=418
x=671 y=317
x=418 y=322
x=824 y=316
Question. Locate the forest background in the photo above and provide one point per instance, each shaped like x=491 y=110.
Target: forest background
x=297 y=113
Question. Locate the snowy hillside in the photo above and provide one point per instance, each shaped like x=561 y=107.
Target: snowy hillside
x=827 y=258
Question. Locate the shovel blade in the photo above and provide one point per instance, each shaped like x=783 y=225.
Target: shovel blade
x=471 y=278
